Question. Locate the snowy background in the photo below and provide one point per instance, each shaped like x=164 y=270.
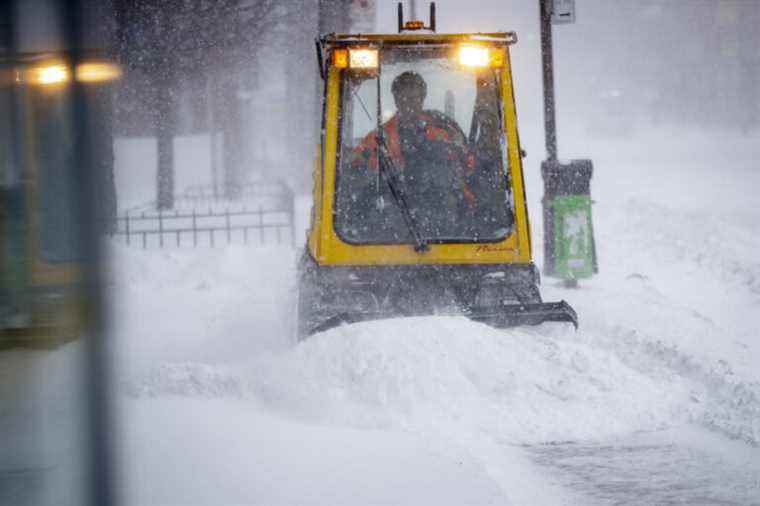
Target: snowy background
x=654 y=400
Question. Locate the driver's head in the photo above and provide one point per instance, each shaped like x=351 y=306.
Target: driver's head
x=409 y=90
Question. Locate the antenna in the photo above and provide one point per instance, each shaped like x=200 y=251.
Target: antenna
x=415 y=24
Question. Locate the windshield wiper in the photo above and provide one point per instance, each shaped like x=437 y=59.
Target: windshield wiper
x=420 y=244
x=389 y=174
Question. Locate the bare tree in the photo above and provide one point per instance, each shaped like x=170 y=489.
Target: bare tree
x=173 y=42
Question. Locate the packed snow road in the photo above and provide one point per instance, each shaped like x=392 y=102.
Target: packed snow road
x=675 y=466
x=655 y=400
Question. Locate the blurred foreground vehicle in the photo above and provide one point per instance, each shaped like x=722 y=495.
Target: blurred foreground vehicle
x=419 y=210
x=41 y=301
x=54 y=140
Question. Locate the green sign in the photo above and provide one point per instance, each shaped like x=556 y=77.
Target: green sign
x=573 y=240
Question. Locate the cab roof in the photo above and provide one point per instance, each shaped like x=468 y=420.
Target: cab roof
x=418 y=38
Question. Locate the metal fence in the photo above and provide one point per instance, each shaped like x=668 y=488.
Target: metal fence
x=267 y=223
x=201 y=195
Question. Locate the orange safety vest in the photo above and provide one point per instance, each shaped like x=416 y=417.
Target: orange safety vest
x=366 y=151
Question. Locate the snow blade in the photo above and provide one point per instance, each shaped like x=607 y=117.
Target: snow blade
x=525 y=314
x=350 y=317
x=511 y=315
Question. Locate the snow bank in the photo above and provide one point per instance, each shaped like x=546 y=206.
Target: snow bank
x=204 y=304
x=447 y=371
x=447 y=374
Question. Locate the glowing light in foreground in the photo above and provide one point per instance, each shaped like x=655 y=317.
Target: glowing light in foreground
x=97 y=72
x=52 y=74
x=59 y=73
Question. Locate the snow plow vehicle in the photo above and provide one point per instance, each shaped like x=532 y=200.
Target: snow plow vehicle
x=419 y=198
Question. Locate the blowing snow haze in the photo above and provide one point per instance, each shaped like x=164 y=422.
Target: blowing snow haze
x=193 y=311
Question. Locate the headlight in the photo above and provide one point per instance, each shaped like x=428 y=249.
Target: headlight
x=480 y=56
x=363 y=58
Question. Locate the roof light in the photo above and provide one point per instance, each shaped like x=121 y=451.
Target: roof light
x=340 y=58
x=474 y=56
x=414 y=25
x=359 y=58
x=363 y=58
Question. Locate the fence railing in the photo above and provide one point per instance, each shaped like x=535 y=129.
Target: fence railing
x=205 y=194
x=260 y=226
x=266 y=193
x=263 y=215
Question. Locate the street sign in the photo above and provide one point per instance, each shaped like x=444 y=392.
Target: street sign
x=563 y=11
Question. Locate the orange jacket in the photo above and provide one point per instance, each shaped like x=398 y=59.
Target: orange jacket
x=436 y=129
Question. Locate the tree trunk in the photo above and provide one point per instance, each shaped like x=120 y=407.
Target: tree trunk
x=232 y=130
x=211 y=107
x=102 y=145
x=165 y=147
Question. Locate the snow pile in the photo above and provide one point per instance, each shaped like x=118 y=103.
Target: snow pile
x=185 y=379
x=448 y=372
x=197 y=305
x=713 y=245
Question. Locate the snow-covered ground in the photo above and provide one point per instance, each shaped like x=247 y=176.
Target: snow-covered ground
x=655 y=400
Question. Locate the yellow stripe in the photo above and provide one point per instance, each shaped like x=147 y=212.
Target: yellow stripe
x=515 y=161
x=330 y=150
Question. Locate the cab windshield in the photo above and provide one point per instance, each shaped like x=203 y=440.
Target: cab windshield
x=441 y=141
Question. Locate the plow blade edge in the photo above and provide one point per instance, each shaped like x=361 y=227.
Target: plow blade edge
x=511 y=315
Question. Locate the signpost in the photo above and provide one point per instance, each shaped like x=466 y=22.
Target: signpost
x=563 y=11
x=569 y=248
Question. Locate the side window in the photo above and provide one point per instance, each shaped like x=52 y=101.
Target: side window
x=359 y=110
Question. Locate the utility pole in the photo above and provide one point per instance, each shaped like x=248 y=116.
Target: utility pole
x=547 y=65
x=569 y=247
